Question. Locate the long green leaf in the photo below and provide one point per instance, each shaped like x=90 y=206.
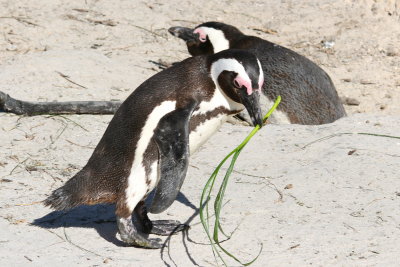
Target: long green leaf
x=207 y=190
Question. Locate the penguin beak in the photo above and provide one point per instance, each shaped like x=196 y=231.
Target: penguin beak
x=185 y=34
x=252 y=105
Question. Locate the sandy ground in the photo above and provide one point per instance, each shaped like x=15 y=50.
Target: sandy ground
x=342 y=196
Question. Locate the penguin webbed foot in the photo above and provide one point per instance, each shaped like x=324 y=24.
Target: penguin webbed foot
x=131 y=236
x=166 y=227
x=156 y=227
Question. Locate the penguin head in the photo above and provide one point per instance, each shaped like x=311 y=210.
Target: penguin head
x=207 y=38
x=238 y=74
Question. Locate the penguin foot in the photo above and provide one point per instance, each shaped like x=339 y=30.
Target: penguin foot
x=159 y=227
x=131 y=236
x=167 y=227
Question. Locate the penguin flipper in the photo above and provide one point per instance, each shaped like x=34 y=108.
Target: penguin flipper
x=172 y=138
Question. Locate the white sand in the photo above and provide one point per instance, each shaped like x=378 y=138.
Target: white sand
x=341 y=210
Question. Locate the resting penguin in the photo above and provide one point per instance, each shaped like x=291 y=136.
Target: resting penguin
x=308 y=94
x=148 y=142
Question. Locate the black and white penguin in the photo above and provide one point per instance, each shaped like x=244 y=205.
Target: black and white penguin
x=148 y=142
x=308 y=94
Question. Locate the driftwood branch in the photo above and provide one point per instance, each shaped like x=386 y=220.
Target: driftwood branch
x=12 y=105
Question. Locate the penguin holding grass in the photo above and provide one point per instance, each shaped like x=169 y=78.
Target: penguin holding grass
x=148 y=142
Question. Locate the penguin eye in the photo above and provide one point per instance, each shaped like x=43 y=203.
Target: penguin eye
x=236 y=84
x=202 y=39
x=202 y=35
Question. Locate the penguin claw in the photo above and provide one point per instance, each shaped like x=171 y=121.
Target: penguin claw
x=167 y=227
x=131 y=236
x=166 y=222
x=151 y=243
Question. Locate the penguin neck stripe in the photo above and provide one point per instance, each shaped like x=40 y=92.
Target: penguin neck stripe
x=218 y=100
x=216 y=37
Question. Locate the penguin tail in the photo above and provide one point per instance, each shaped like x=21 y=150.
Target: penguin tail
x=59 y=200
x=79 y=190
x=70 y=195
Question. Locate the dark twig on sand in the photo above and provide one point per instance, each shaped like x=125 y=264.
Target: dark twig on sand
x=9 y=104
x=149 y=31
x=22 y=20
x=66 y=77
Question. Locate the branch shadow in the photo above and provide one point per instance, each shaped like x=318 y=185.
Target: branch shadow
x=185 y=234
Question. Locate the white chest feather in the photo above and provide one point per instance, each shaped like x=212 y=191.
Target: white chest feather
x=210 y=125
x=219 y=99
x=204 y=131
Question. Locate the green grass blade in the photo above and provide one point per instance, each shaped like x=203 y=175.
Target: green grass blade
x=274 y=106
x=207 y=190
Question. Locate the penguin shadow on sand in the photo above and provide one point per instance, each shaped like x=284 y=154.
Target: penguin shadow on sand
x=101 y=217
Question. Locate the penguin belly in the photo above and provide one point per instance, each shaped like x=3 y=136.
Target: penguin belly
x=204 y=130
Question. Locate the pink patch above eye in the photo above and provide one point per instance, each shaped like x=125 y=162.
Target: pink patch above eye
x=245 y=83
x=202 y=35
